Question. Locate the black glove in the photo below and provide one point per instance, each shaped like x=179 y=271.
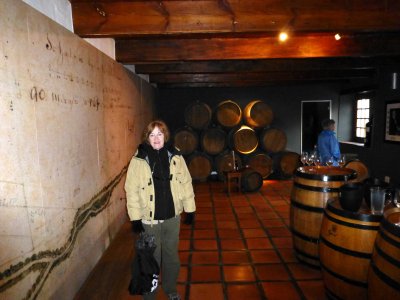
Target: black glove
x=189 y=220
x=137 y=226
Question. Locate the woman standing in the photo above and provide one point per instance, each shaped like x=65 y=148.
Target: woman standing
x=158 y=188
x=328 y=145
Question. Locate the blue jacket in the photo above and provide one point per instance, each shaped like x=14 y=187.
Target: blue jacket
x=328 y=146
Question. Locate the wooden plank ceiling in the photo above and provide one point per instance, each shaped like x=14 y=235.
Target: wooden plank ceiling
x=233 y=43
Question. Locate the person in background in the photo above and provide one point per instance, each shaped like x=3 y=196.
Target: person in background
x=158 y=189
x=328 y=145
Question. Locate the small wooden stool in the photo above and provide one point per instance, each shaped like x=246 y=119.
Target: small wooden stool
x=233 y=176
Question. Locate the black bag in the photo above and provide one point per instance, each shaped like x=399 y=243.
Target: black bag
x=145 y=269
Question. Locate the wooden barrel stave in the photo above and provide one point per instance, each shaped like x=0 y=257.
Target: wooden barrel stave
x=224 y=163
x=198 y=115
x=213 y=140
x=251 y=180
x=257 y=114
x=260 y=162
x=228 y=114
x=360 y=168
x=286 y=163
x=273 y=140
x=243 y=139
x=384 y=272
x=199 y=165
x=312 y=189
x=345 y=250
x=186 y=140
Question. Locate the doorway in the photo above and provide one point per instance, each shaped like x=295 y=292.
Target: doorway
x=312 y=114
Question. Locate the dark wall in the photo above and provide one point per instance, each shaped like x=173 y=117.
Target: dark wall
x=382 y=158
x=285 y=102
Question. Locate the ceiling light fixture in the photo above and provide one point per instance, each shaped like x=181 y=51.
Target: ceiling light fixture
x=337 y=36
x=283 y=36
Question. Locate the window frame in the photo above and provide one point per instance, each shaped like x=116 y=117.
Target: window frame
x=360 y=96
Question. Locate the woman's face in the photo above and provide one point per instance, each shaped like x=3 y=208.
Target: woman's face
x=156 y=139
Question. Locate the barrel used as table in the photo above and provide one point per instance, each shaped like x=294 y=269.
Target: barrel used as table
x=384 y=272
x=345 y=250
x=312 y=188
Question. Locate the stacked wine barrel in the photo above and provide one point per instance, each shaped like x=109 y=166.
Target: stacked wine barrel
x=228 y=137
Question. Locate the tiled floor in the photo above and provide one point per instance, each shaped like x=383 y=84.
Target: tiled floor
x=241 y=248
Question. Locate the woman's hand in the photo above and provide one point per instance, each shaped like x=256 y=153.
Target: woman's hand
x=189 y=220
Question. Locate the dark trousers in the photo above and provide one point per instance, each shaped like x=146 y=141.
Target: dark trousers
x=167 y=240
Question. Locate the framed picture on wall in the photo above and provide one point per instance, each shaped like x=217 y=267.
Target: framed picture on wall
x=392 y=123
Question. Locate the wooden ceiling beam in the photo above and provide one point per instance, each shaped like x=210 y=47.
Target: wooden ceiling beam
x=261 y=65
x=263 y=76
x=138 y=18
x=243 y=84
x=135 y=51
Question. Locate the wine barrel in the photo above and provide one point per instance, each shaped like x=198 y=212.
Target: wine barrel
x=243 y=139
x=251 y=180
x=345 y=250
x=384 y=272
x=311 y=190
x=198 y=115
x=224 y=163
x=260 y=162
x=228 y=114
x=285 y=163
x=360 y=168
x=273 y=140
x=257 y=114
x=186 y=140
x=199 y=165
x=213 y=140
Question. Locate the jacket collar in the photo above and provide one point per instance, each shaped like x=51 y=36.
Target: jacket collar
x=144 y=148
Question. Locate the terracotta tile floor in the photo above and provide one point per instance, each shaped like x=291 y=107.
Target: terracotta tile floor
x=241 y=248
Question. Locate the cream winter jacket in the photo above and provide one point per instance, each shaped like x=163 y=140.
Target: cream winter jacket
x=139 y=188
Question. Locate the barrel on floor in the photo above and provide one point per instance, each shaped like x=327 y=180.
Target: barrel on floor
x=345 y=249
x=312 y=188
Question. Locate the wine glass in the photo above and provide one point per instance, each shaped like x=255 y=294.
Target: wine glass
x=342 y=160
x=310 y=160
x=329 y=162
x=317 y=161
x=304 y=158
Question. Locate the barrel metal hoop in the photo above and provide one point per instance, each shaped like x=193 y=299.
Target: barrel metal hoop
x=316 y=188
x=345 y=279
x=356 y=216
x=386 y=279
x=326 y=178
x=305 y=237
x=387 y=257
x=346 y=251
x=389 y=239
x=306 y=207
x=390 y=227
x=316 y=258
x=348 y=224
x=332 y=295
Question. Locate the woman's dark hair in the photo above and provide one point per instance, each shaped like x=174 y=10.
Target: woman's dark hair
x=149 y=129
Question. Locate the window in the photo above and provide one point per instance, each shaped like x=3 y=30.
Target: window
x=362 y=117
